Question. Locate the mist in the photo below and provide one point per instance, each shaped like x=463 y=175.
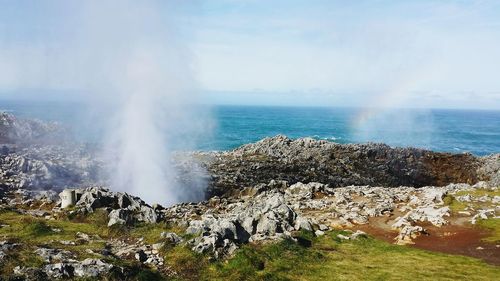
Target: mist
x=127 y=61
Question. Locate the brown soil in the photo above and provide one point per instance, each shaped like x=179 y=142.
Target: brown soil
x=459 y=240
x=450 y=239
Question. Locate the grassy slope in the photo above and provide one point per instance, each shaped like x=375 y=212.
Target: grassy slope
x=491 y=223
x=33 y=232
x=327 y=258
x=331 y=259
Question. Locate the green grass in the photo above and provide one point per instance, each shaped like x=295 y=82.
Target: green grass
x=37 y=232
x=454 y=204
x=30 y=230
x=479 y=192
x=313 y=258
x=457 y=206
x=491 y=224
x=362 y=259
x=151 y=232
x=22 y=255
x=187 y=264
x=494 y=226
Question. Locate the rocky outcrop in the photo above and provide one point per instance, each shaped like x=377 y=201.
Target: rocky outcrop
x=490 y=169
x=67 y=269
x=308 y=160
x=5 y=247
x=14 y=130
x=266 y=216
x=123 y=208
x=144 y=253
x=51 y=167
x=278 y=158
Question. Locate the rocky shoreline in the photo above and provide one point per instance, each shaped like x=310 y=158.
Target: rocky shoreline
x=268 y=191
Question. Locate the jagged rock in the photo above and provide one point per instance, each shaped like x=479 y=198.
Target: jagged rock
x=303 y=223
x=171 y=238
x=352 y=236
x=215 y=245
x=323 y=227
x=264 y=216
x=343 y=237
x=125 y=209
x=141 y=256
x=51 y=167
x=429 y=214
x=91 y=268
x=30 y=273
x=59 y=270
x=51 y=255
x=483 y=214
x=83 y=236
x=120 y=216
x=490 y=169
x=358 y=234
x=144 y=253
x=305 y=191
x=407 y=233
x=434 y=195
x=5 y=247
x=85 y=268
x=307 y=160
x=28 y=131
x=319 y=233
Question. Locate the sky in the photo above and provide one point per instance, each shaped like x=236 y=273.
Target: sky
x=429 y=54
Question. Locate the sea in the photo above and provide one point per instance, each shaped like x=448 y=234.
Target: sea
x=446 y=130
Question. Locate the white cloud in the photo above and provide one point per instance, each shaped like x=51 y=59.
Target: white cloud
x=365 y=47
x=445 y=47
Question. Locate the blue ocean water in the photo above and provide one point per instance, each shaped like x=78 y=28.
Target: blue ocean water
x=456 y=131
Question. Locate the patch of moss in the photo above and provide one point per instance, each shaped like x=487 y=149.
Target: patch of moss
x=454 y=204
x=22 y=255
x=457 y=206
x=148 y=275
x=150 y=232
x=494 y=226
x=187 y=264
x=479 y=192
x=38 y=228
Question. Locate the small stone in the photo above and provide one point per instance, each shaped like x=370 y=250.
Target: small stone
x=323 y=227
x=141 y=256
x=319 y=233
x=343 y=237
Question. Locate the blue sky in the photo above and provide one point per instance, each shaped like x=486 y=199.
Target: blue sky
x=333 y=53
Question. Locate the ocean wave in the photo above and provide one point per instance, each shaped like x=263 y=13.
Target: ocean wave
x=330 y=138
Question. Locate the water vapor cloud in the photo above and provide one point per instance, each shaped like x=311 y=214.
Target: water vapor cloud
x=127 y=60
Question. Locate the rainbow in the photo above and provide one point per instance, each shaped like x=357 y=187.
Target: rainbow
x=388 y=100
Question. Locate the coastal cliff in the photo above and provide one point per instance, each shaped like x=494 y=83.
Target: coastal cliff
x=278 y=208
x=308 y=160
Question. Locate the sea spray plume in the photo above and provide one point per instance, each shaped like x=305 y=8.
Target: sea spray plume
x=144 y=72
x=126 y=59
